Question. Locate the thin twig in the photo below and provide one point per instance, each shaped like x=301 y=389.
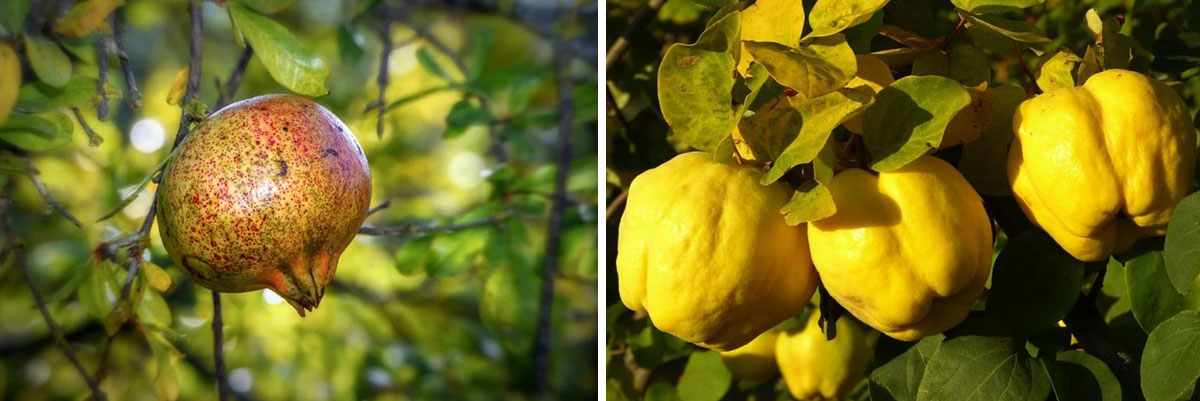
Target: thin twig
x=438 y=44
x=118 y=28
x=412 y=229
x=621 y=45
x=1024 y=67
x=379 y=207
x=94 y=139
x=612 y=103
x=235 y=78
x=381 y=80
x=102 y=79
x=954 y=35
x=32 y=172
x=541 y=344
x=615 y=205
x=219 y=349
x=11 y=246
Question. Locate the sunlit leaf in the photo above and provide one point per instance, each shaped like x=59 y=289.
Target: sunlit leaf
x=984 y=6
x=10 y=80
x=267 y=6
x=695 y=85
x=909 y=118
x=811 y=201
x=832 y=16
x=38 y=132
x=705 y=378
x=85 y=16
x=158 y=278
x=983 y=368
x=813 y=69
x=178 y=87
x=78 y=92
x=1058 y=71
x=288 y=60
x=820 y=116
x=48 y=61
x=778 y=21
x=1171 y=359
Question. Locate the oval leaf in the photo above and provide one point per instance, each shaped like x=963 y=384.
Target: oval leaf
x=86 y=16
x=983 y=368
x=1171 y=360
x=705 y=378
x=813 y=69
x=819 y=117
x=832 y=16
x=900 y=378
x=1034 y=283
x=48 y=61
x=1182 y=249
x=38 y=133
x=695 y=86
x=984 y=161
x=909 y=118
x=1058 y=71
x=1015 y=30
x=983 y=6
x=779 y=21
x=10 y=80
x=267 y=6
x=38 y=96
x=1152 y=297
x=287 y=59
x=1076 y=375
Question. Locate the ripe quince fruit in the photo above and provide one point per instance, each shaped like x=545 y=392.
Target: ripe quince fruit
x=753 y=361
x=704 y=251
x=908 y=251
x=1102 y=165
x=816 y=368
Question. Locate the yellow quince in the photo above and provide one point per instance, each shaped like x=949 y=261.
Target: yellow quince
x=704 y=251
x=815 y=368
x=753 y=361
x=908 y=251
x=1102 y=165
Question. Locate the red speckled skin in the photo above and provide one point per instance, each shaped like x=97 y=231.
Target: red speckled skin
x=265 y=193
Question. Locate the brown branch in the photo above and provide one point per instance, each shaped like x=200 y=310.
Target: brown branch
x=1025 y=68
x=32 y=172
x=94 y=139
x=541 y=344
x=117 y=22
x=219 y=349
x=621 y=45
x=413 y=229
x=11 y=246
x=615 y=205
x=235 y=78
x=379 y=207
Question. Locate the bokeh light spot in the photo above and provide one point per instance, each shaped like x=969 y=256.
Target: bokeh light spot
x=147 y=135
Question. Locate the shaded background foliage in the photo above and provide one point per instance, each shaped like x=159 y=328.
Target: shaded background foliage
x=1113 y=307
x=429 y=316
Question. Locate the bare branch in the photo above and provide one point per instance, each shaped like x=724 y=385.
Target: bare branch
x=235 y=78
x=541 y=344
x=32 y=172
x=621 y=45
x=381 y=80
x=413 y=229
x=118 y=28
x=379 y=207
x=219 y=349
x=615 y=205
x=102 y=80
x=94 y=139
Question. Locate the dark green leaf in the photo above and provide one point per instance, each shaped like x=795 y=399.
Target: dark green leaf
x=983 y=368
x=705 y=378
x=1015 y=30
x=38 y=96
x=1171 y=359
x=1034 y=283
x=348 y=45
x=12 y=14
x=1076 y=375
x=508 y=306
x=1151 y=293
x=429 y=63
x=481 y=46
x=984 y=161
x=983 y=6
x=899 y=378
x=267 y=6
x=909 y=118
x=464 y=114
x=288 y=60
x=411 y=257
x=1182 y=249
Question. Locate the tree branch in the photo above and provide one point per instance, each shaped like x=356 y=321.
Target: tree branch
x=541 y=345
x=32 y=172
x=94 y=139
x=219 y=349
x=102 y=79
x=235 y=78
x=381 y=80
x=615 y=205
x=11 y=246
x=379 y=207
x=413 y=229
x=118 y=28
x=621 y=45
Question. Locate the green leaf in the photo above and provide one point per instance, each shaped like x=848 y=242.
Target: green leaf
x=509 y=304
x=695 y=85
x=1171 y=359
x=1057 y=72
x=12 y=14
x=348 y=47
x=813 y=69
x=287 y=59
x=1015 y=30
x=48 y=61
x=426 y=58
x=1076 y=375
x=412 y=256
x=166 y=381
x=705 y=378
x=984 y=161
x=78 y=92
x=1116 y=47
x=983 y=368
x=1182 y=248
x=819 y=116
x=811 y=201
x=38 y=132
x=1090 y=64
x=464 y=114
x=985 y=6
x=963 y=63
x=899 y=378
x=481 y=46
x=828 y=17
x=153 y=309
x=909 y=118
x=1034 y=283
x=267 y=6
x=1151 y=293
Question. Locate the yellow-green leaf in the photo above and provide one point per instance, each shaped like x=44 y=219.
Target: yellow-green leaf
x=813 y=69
x=695 y=85
x=909 y=118
x=178 y=87
x=10 y=80
x=832 y=16
x=1015 y=30
x=48 y=61
x=288 y=60
x=779 y=21
x=158 y=278
x=85 y=17
x=267 y=6
x=1058 y=71
x=987 y=6
x=820 y=116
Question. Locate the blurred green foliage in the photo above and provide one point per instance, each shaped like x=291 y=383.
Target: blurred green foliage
x=440 y=316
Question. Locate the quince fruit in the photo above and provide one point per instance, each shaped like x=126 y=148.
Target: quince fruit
x=754 y=361
x=816 y=368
